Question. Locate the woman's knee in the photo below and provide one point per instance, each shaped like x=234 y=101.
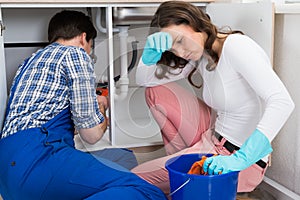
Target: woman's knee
x=250 y=178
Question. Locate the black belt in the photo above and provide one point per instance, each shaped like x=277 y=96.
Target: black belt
x=231 y=147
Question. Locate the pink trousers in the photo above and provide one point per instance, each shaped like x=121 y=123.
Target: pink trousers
x=185 y=123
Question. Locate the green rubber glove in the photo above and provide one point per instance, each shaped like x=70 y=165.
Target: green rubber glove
x=255 y=148
x=156 y=44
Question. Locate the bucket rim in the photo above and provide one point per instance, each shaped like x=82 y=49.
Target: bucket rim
x=171 y=160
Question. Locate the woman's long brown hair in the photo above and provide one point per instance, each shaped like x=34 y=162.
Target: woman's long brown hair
x=180 y=12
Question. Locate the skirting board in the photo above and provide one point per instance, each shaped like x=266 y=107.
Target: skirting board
x=278 y=190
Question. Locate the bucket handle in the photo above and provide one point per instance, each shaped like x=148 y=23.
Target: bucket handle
x=181 y=186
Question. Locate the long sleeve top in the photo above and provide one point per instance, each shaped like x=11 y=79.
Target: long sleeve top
x=243 y=89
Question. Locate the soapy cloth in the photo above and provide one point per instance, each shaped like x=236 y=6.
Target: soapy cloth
x=197 y=167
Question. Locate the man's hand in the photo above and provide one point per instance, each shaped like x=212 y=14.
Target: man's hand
x=102 y=100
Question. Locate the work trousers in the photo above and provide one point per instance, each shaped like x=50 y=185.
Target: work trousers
x=42 y=163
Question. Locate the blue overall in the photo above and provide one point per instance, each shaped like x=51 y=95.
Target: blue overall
x=42 y=163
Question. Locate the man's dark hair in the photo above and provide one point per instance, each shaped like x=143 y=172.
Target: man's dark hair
x=68 y=24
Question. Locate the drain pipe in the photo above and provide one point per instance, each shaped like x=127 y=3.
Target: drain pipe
x=123 y=34
x=99 y=24
x=123 y=81
x=103 y=80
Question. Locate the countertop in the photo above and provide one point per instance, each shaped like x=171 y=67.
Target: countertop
x=287 y=8
x=87 y=1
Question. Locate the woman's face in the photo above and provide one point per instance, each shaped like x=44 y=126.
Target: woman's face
x=187 y=43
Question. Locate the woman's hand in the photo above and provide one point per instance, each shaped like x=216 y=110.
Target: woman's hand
x=255 y=148
x=156 y=44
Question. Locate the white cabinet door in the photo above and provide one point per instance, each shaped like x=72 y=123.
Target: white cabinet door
x=3 y=89
x=254 y=19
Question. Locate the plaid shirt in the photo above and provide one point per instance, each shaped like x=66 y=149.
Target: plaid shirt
x=57 y=77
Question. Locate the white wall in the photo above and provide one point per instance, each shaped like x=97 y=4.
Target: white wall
x=285 y=167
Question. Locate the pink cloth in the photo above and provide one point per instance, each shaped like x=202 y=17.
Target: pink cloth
x=185 y=123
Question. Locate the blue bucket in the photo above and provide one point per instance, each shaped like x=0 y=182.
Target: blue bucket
x=205 y=187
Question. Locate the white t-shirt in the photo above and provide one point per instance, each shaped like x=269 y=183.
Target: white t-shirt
x=243 y=89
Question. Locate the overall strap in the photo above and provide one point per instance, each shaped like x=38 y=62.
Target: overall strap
x=62 y=119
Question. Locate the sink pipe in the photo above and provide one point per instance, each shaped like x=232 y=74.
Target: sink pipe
x=122 y=79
